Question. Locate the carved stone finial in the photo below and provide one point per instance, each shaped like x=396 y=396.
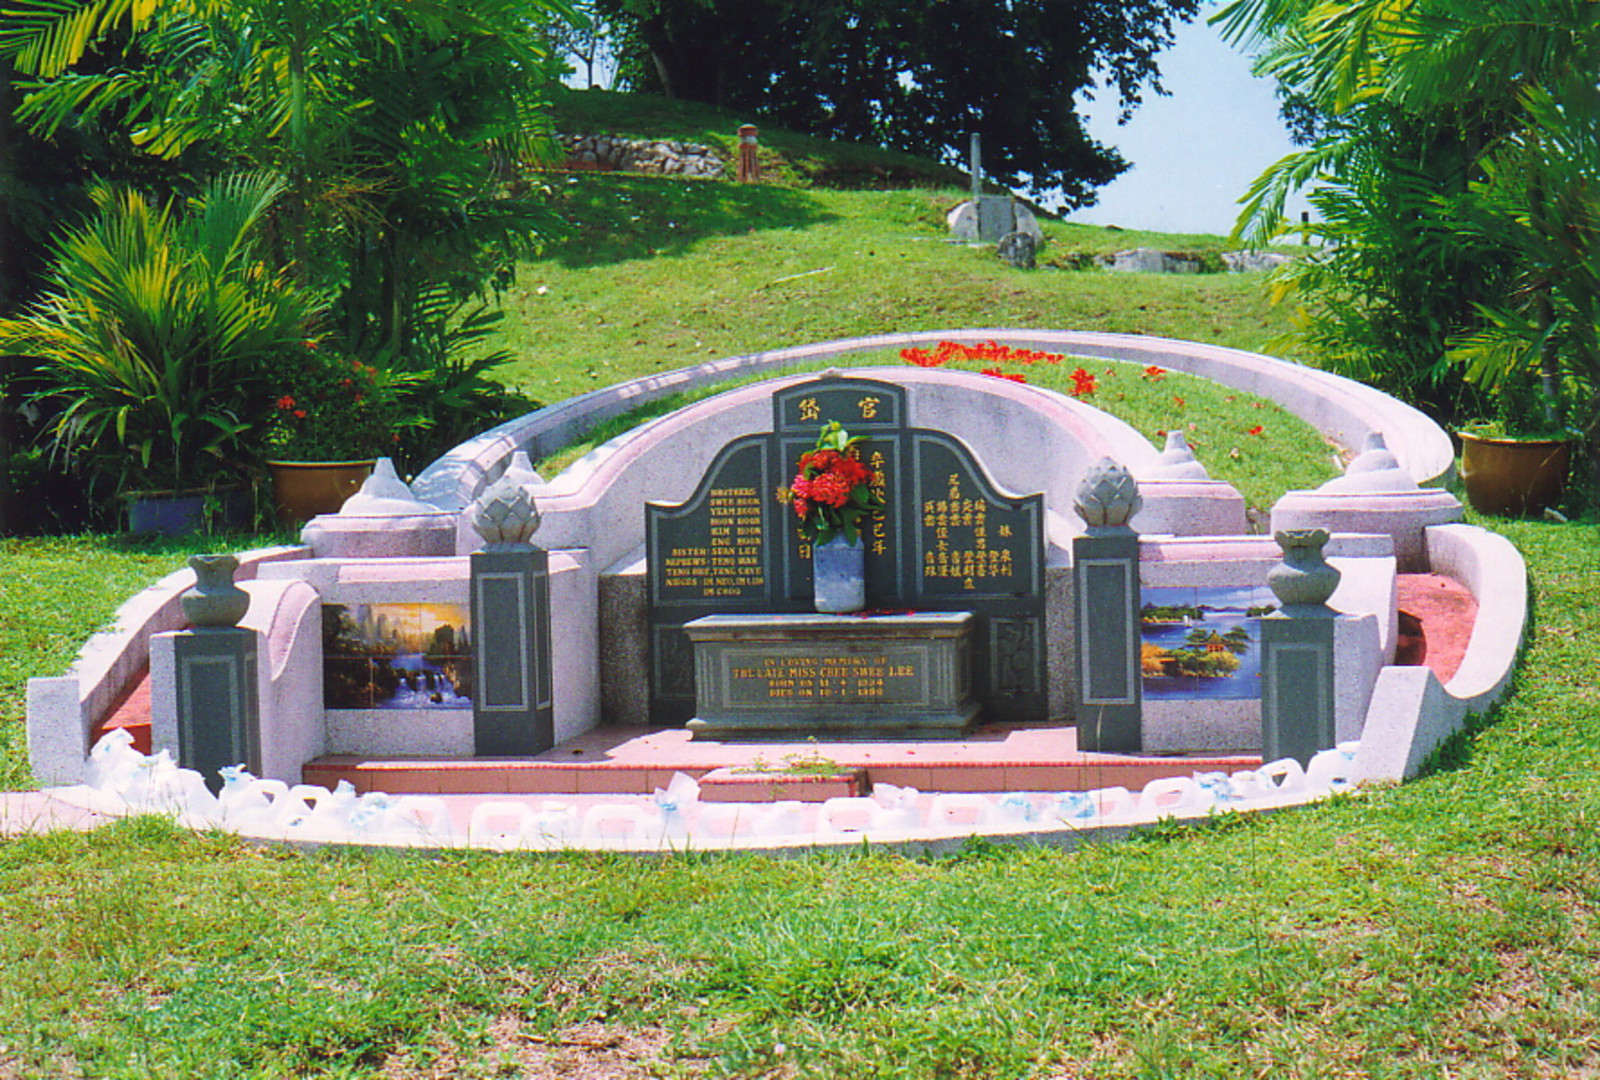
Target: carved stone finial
x=1375 y=469
x=214 y=602
x=1304 y=580
x=384 y=494
x=507 y=512
x=1177 y=461
x=1108 y=497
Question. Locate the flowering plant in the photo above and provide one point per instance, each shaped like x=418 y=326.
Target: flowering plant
x=333 y=408
x=832 y=492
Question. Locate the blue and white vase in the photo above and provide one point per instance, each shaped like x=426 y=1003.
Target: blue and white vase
x=838 y=576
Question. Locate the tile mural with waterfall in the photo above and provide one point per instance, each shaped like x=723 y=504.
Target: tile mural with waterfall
x=1203 y=642
x=396 y=656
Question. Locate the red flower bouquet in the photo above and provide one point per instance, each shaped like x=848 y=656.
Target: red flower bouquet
x=833 y=490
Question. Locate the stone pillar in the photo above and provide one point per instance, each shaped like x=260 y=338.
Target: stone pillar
x=513 y=712
x=1105 y=569
x=1297 y=651
x=749 y=169
x=204 y=703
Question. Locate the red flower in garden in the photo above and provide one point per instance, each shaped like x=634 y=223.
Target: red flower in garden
x=1154 y=373
x=1083 y=384
x=286 y=403
x=299 y=414
x=1257 y=430
x=1178 y=401
x=997 y=373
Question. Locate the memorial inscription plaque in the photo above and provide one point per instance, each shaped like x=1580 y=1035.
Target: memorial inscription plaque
x=840 y=675
x=947 y=540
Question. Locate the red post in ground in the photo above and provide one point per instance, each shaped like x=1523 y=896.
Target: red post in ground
x=749 y=170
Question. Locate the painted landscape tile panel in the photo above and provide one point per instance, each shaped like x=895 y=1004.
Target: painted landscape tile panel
x=396 y=656
x=1203 y=642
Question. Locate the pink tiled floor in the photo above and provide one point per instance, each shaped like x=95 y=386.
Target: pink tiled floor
x=619 y=760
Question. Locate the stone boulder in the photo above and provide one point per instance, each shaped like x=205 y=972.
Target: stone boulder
x=1018 y=249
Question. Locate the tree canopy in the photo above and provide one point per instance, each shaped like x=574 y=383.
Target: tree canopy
x=913 y=75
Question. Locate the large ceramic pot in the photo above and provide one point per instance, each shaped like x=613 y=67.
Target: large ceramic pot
x=1512 y=477
x=303 y=489
x=838 y=576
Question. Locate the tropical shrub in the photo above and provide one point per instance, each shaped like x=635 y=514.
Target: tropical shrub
x=1510 y=88
x=154 y=341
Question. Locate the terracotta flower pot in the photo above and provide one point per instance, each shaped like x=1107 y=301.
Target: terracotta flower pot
x=303 y=489
x=1512 y=477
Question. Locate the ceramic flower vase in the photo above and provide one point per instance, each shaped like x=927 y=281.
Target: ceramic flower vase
x=214 y=600
x=838 y=576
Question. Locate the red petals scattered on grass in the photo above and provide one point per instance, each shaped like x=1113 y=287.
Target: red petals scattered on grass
x=985 y=352
x=1257 y=430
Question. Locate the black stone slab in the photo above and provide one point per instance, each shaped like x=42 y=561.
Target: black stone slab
x=841 y=676
x=513 y=711
x=1297 y=687
x=1110 y=685
x=219 y=715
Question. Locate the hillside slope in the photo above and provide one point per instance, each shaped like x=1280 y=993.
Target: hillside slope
x=648 y=273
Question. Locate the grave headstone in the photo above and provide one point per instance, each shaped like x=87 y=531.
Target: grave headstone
x=829 y=674
x=947 y=540
x=996 y=218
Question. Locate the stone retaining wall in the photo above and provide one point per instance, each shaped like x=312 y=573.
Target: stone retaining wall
x=666 y=157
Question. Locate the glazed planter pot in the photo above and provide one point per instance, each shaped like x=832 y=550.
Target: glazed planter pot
x=1513 y=477
x=303 y=489
x=838 y=576
x=184 y=513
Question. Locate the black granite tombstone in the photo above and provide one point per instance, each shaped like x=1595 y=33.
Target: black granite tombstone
x=947 y=540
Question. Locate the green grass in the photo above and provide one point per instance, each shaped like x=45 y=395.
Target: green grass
x=1443 y=928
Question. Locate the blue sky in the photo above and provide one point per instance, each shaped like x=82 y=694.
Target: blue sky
x=1195 y=152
